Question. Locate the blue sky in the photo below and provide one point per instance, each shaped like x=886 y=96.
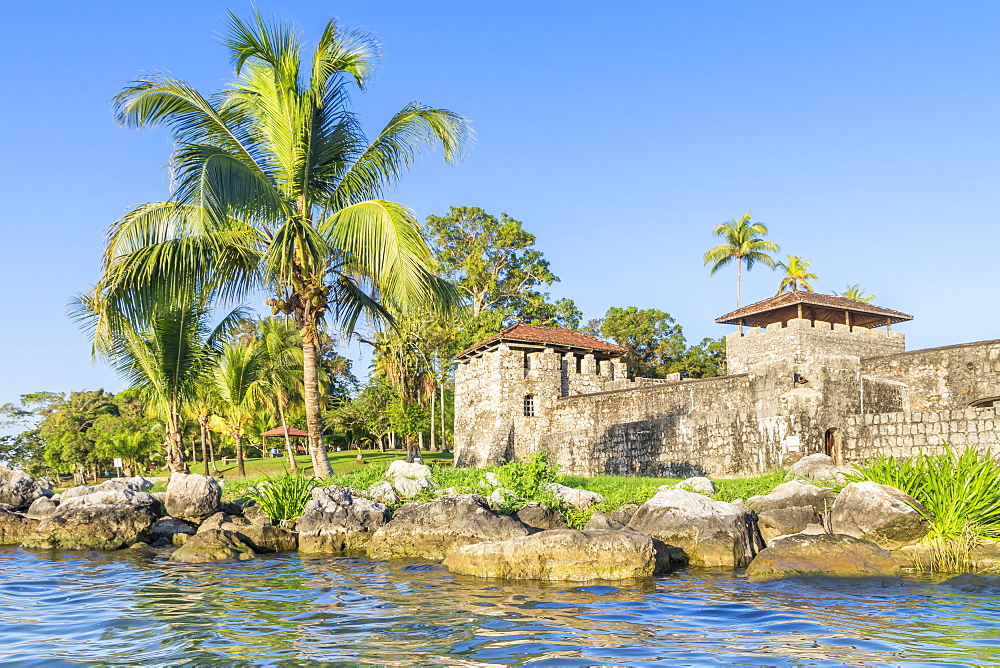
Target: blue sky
x=864 y=134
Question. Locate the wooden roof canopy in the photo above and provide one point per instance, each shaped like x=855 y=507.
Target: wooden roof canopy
x=280 y=431
x=813 y=306
x=537 y=337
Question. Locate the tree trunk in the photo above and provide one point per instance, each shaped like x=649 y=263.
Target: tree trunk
x=444 y=440
x=293 y=466
x=211 y=452
x=204 y=443
x=433 y=402
x=310 y=378
x=240 y=469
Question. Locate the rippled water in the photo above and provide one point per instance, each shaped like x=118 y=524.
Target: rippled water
x=94 y=608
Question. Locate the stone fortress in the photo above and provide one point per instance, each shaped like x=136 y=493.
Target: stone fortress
x=807 y=373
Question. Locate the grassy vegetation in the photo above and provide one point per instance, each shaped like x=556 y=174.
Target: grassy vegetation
x=961 y=491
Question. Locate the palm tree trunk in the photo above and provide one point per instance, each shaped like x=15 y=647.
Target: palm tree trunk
x=433 y=402
x=204 y=443
x=175 y=453
x=444 y=441
x=314 y=423
x=211 y=453
x=739 y=267
x=293 y=466
x=240 y=469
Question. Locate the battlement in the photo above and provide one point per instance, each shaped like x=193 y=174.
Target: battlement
x=801 y=339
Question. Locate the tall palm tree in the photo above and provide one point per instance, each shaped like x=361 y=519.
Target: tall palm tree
x=276 y=186
x=283 y=376
x=796 y=275
x=744 y=244
x=857 y=293
x=165 y=357
x=239 y=382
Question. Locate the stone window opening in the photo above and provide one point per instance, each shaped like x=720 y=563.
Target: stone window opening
x=527 y=364
x=529 y=405
x=985 y=403
x=832 y=446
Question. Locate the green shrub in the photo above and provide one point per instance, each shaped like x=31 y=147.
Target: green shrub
x=960 y=491
x=284 y=497
x=527 y=480
x=619 y=490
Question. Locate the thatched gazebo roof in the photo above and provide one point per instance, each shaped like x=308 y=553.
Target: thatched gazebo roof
x=813 y=306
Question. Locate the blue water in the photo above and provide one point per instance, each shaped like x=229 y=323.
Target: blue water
x=59 y=608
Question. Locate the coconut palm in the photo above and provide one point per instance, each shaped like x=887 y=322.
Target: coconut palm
x=797 y=274
x=240 y=383
x=275 y=186
x=283 y=377
x=857 y=293
x=744 y=244
x=165 y=357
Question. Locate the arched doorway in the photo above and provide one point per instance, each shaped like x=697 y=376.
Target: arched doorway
x=832 y=445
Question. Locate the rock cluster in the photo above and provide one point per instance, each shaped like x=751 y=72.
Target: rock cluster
x=798 y=529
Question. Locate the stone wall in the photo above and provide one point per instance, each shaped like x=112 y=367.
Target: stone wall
x=905 y=434
x=802 y=340
x=942 y=378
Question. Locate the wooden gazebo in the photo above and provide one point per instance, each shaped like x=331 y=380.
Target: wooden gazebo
x=284 y=430
x=813 y=306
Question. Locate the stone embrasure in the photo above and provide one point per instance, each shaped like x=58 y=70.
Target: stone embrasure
x=559 y=554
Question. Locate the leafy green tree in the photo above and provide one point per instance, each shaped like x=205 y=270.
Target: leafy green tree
x=796 y=274
x=744 y=244
x=654 y=343
x=706 y=359
x=561 y=313
x=65 y=429
x=493 y=262
x=282 y=376
x=277 y=187
x=856 y=293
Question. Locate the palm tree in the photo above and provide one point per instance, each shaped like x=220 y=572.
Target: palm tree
x=275 y=186
x=239 y=382
x=796 y=274
x=283 y=377
x=744 y=244
x=166 y=357
x=856 y=293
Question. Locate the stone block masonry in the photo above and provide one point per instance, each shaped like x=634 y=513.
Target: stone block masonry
x=794 y=389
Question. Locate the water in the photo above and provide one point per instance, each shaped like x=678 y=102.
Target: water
x=59 y=608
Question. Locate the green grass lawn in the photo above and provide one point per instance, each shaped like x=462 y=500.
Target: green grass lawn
x=342 y=462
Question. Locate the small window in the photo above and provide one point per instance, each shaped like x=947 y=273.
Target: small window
x=527 y=364
x=985 y=403
x=529 y=406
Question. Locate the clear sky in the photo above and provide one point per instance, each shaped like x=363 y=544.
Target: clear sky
x=864 y=134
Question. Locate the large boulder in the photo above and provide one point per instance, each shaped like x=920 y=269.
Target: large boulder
x=384 y=493
x=879 y=513
x=625 y=513
x=17 y=488
x=429 y=530
x=211 y=546
x=168 y=527
x=335 y=521
x=14 y=527
x=818 y=467
x=259 y=536
x=136 y=484
x=559 y=554
x=790 y=508
x=42 y=507
x=578 y=498
x=603 y=522
x=537 y=517
x=822 y=555
x=106 y=520
x=712 y=533
x=192 y=497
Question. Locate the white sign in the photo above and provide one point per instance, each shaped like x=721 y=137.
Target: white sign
x=118 y=462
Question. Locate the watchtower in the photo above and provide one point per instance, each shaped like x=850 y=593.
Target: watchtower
x=799 y=328
x=506 y=387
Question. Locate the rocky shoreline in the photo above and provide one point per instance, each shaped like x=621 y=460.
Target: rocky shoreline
x=799 y=529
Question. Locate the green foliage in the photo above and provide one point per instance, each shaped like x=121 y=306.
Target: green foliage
x=284 y=497
x=796 y=274
x=743 y=243
x=528 y=479
x=960 y=491
x=856 y=293
x=730 y=489
x=364 y=478
x=577 y=518
x=618 y=490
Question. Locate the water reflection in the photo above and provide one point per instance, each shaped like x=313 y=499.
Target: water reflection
x=99 y=608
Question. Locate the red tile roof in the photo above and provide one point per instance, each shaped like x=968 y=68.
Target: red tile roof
x=546 y=335
x=280 y=431
x=784 y=306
